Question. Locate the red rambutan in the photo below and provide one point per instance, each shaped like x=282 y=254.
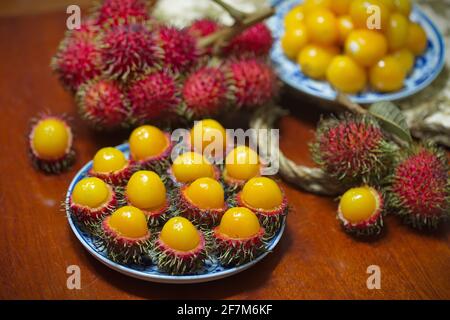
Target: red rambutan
x=88 y=30
x=254 y=41
x=203 y=27
x=115 y=12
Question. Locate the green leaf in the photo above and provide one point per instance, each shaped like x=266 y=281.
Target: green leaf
x=391 y=119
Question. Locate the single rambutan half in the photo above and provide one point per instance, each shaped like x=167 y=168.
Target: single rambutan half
x=253 y=83
x=102 y=103
x=50 y=144
x=180 y=248
x=111 y=166
x=115 y=12
x=360 y=211
x=241 y=164
x=420 y=188
x=254 y=41
x=239 y=237
x=352 y=149
x=153 y=96
x=203 y=27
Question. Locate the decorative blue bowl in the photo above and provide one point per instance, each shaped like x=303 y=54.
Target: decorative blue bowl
x=212 y=270
x=427 y=66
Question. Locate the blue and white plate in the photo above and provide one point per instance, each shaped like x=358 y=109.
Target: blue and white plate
x=212 y=270
x=427 y=67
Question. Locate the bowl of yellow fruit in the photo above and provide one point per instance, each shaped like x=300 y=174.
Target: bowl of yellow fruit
x=372 y=50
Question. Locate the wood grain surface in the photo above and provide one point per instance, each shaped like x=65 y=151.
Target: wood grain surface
x=314 y=259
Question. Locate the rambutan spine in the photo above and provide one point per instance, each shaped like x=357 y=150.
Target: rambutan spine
x=116 y=12
x=254 y=41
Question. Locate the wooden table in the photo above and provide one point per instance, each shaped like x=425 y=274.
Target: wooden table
x=314 y=259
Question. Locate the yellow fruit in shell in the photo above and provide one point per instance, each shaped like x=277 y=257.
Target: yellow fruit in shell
x=262 y=193
x=366 y=47
x=90 y=192
x=363 y=17
x=206 y=132
x=129 y=222
x=358 y=204
x=180 y=234
x=405 y=58
x=206 y=193
x=293 y=40
x=311 y=5
x=403 y=6
x=145 y=190
x=417 y=39
x=387 y=75
x=239 y=223
x=50 y=139
x=242 y=163
x=397 y=31
x=108 y=160
x=340 y=7
x=294 y=17
x=314 y=60
x=346 y=75
x=147 y=141
x=322 y=27
x=345 y=26
x=190 y=166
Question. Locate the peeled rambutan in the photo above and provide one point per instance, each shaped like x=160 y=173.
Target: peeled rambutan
x=102 y=104
x=111 y=165
x=352 y=149
x=203 y=27
x=114 y=12
x=420 y=189
x=254 y=41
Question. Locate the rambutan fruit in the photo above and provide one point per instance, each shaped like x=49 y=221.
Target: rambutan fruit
x=209 y=138
x=203 y=27
x=253 y=83
x=180 y=248
x=241 y=164
x=202 y=201
x=360 y=211
x=111 y=166
x=88 y=31
x=190 y=166
x=239 y=237
x=264 y=197
x=126 y=236
x=254 y=41
x=352 y=149
x=102 y=104
x=420 y=187
x=115 y=12
x=150 y=148
x=153 y=96
x=50 y=144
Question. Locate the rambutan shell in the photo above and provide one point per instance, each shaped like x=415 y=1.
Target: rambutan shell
x=254 y=41
x=116 y=12
x=203 y=27
x=116 y=178
x=90 y=215
x=159 y=163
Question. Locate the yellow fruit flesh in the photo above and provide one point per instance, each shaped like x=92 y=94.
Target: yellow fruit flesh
x=363 y=17
x=358 y=204
x=312 y=5
x=206 y=193
x=146 y=142
x=366 y=47
x=346 y=75
x=314 y=60
x=180 y=234
x=345 y=26
x=239 y=223
x=417 y=39
x=387 y=75
x=262 y=193
x=208 y=132
x=90 y=192
x=340 y=7
x=403 y=6
x=397 y=31
x=405 y=58
x=322 y=27
x=129 y=222
x=50 y=139
x=242 y=163
x=145 y=190
x=293 y=40
x=294 y=17
x=190 y=166
x=108 y=160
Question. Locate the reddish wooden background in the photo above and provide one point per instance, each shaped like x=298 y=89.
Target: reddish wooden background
x=315 y=259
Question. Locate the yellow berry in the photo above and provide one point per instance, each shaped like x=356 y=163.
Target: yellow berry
x=129 y=222
x=345 y=26
x=403 y=6
x=294 y=17
x=366 y=47
x=145 y=190
x=262 y=193
x=147 y=141
x=190 y=166
x=239 y=223
x=397 y=31
x=405 y=58
x=314 y=60
x=311 y=5
x=208 y=132
x=390 y=4
x=180 y=234
x=340 y=7
x=417 y=39
x=358 y=204
x=387 y=75
x=206 y=193
x=90 y=192
x=346 y=75
x=293 y=40
x=242 y=163
x=108 y=160
x=51 y=139
x=322 y=27
x=366 y=14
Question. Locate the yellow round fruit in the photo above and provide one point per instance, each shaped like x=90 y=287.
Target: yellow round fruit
x=262 y=193
x=129 y=222
x=180 y=234
x=190 y=166
x=51 y=139
x=239 y=223
x=387 y=75
x=90 y=192
x=366 y=47
x=390 y=4
x=294 y=17
x=293 y=40
x=146 y=142
x=417 y=39
x=311 y=5
x=358 y=204
x=206 y=193
x=108 y=160
x=403 y=6
x=145 y=190
x=208 y=132
x=340 y=7
x=242 y=163
x=314 y=60
x=369 y=14
x=397 y=31
x=405 y=58
x=345 y=27
x=322 y=27
x=346 y=75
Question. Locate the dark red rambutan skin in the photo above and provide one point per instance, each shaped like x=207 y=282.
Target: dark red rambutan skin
x=102 y=104
x=203 y=27
x=116 y=178
x=115 y=12
x=254 y=41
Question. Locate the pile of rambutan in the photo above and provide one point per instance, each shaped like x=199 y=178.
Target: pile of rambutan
x=125 y=68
